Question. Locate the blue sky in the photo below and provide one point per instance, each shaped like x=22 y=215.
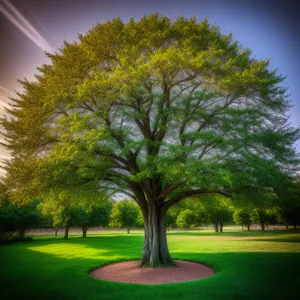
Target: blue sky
x=269 y=28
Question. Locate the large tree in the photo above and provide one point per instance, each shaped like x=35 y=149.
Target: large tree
x=156 y=109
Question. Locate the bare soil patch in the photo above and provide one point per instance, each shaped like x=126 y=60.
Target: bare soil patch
x=130 y=272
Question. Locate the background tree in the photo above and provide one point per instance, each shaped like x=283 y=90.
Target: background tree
x=193 y=204
x=124 y=214
x=156 y=109
x=18 y=219
x=27 y=217
x=260 y=216
x=218 y=211
x=218 y=216
x=186 y=219
x=60 y=206
x=242 y=217
x=7 y=221
x=171 y=217
x=288 y=205
x=6 y=214
x=289 y=215
x=140 y=219
x=94 y=215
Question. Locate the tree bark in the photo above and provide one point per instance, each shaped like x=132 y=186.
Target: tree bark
x=84 y=231
x=56 y=230
x=221 y=227
x=216 y=227
x=156 y=252
x=128 y=230
x=66 y=232
x=248 y=227
x=262 y=226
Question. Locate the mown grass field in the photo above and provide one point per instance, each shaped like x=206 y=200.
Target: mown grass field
x=255 y=265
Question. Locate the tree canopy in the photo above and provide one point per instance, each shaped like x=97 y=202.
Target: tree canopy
x=124 y=214
x=186 y=219
x=156 y=109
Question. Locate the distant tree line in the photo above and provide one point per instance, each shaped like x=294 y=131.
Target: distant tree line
x=219 y=211
x=60 y=211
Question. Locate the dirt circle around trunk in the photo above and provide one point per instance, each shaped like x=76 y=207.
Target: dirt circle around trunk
x=130 y=272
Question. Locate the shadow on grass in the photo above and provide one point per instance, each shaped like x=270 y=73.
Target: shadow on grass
x=28 y=273
x=278 y=240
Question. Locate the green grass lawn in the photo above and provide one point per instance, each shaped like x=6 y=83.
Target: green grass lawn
x=255 y=265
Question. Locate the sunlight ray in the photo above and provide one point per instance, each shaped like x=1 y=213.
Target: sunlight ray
x=15 y=17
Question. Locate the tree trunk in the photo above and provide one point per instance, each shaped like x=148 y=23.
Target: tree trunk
x=248 y=227
x=22 y=233
x=295 y=226
x=221 y=227
x=155 y=251
x=84 y=231
x=56 y=231
x=286 y=226
x=262 y=226
x=216 y=227
x=66 y=232
x=128 y=230
x=243 y=227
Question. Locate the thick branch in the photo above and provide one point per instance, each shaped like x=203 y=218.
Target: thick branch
x=165 y=193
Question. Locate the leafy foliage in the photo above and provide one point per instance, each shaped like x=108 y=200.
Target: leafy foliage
x=124 y=214
x=60 y=207
x=15 y=219
x=186 y=219
x=287 y=210
x=261 y=216
x=176 y=105
x=95 y=215
x=68 y=208
x=158 y=110
x=242 y=217
x=218 y=210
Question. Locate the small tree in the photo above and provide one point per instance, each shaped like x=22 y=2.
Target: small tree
x=288 y=215
x=218 y=216
x=82 y=218
x=96 y=215
x=186 y=219
x=59 y=205
x=18 y=219
x=260 y=216
x=124 y=214
x=27 y=217
x=242 y=217
x=218 y=211
x=7 y=221
x=288 y=208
